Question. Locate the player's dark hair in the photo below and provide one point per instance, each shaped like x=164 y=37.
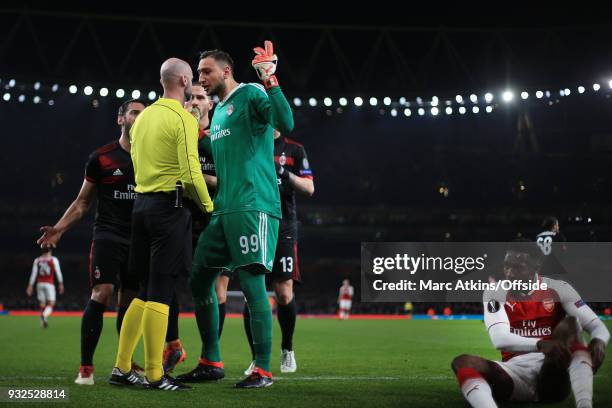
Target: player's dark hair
x=526 y=250
x=218 y=55
x=45 y=250
x=549 y=223
x=124 y=106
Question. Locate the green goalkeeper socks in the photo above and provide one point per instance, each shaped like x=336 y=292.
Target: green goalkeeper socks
x=207 y=311
x=254 y=289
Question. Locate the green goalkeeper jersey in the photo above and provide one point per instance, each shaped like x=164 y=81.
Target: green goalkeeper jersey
x=242 y=136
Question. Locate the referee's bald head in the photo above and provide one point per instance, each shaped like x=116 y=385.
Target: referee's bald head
x=176 y=73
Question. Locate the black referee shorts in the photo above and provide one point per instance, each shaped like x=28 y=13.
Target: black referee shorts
x=161 y=251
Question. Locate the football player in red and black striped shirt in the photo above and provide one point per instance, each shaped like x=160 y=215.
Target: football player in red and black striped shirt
x=109 y=177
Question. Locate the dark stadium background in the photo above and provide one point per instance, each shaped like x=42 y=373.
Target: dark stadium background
x=377 y=177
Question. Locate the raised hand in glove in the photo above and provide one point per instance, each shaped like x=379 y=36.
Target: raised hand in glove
x=265 y=62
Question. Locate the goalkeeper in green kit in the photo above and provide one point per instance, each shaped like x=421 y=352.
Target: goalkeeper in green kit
x=243 y=229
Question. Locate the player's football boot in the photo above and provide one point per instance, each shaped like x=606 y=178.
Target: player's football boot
x=249 y=370
x=174 y=353
x=205 y=371
x=258 y=379
x=288 y=363
x=166 y=383
x=85 y=376
x=120 y=378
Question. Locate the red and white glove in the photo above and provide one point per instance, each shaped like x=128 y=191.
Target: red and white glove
x=265 y=62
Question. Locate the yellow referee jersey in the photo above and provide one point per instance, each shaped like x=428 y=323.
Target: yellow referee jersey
x=164 y=150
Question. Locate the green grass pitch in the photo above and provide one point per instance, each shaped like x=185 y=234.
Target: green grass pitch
x=355 y=363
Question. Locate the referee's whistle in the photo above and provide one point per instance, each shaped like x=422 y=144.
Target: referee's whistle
x=178 y=202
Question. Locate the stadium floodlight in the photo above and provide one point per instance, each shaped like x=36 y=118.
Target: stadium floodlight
x=387 y=101
x=88 y=90
x=488 y=97
x=539 y=94
x=449 y=110
x=103 y=91
x=562 y=92
x=507 y=96
x=373 y=101
x=581 y=89
x=394 y=112
x=36 y=86
x=12 y=83
x=120 y=93
x=51 y=102
x=567 y=91
x=474 y=98
x=343 y=101
x=421 y=111
x=327 y=101
x=358 y=101
x=152 y=95
x=312 y=102
x=475 y=109
x=37 y=99
x=297 y=102
x=72 y=89
x=462 y=110
x=524 y=95
x=459 y=99
x=55 y=88
x=489 y=109
x=547 y=93
x=435 y=111
x=407 y=112
x=596 y=87
x=402 y=100
x=435 y=101
x=135 y=94
x=21 y=98
x=6 y=97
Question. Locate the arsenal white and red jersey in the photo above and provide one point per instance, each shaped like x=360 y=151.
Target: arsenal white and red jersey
x=532 y=317
x=45 y=269
x=346 y=292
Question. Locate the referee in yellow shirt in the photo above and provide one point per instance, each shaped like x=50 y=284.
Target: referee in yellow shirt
x=164 y=151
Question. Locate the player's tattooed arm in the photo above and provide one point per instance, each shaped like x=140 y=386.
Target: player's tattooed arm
x=52 y=234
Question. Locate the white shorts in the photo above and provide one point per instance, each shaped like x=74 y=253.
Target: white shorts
x=524 y=370
x=345 y=304
x=45 y=292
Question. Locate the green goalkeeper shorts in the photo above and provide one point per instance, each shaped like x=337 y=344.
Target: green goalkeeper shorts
x=240 y=239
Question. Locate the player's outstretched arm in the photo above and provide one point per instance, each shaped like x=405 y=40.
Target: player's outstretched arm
x=52 y=234
x=275 y=109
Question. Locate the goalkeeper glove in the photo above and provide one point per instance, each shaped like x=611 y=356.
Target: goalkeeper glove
x=265 y=62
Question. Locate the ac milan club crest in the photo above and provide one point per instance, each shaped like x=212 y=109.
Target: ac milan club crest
x=549 y=304
x=282 y=160
x=97 y=273
x=230 y=110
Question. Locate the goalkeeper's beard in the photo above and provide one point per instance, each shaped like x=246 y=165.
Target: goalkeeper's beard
x=218 y=90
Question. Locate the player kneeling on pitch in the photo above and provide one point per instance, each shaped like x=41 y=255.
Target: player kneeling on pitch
x=539 y=335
